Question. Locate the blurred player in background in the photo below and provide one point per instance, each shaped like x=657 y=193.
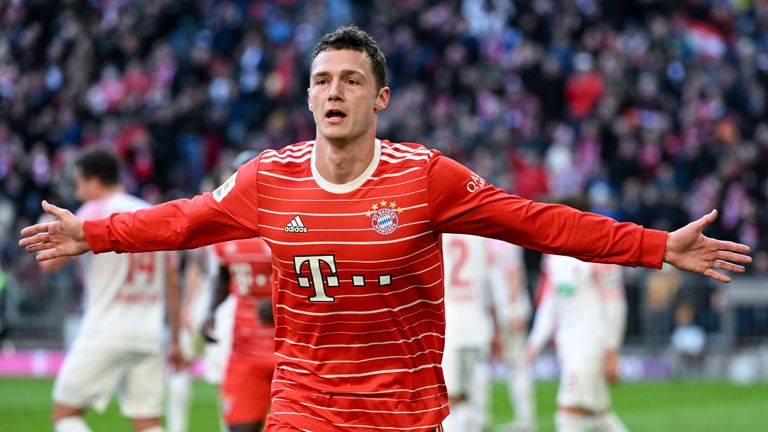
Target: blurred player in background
x=200 y=273
x=583 y=304
x=512 y=306
x=245 y=274
x=469 y=330
x=118 y=348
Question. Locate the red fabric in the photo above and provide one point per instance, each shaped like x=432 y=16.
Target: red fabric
x=369 y=355
x=250 y=269
x=583 y=91
x=245 y=390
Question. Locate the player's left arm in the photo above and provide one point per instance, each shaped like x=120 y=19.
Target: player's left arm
x=462 y=202
x=173 y=309
x=544 y=321
x=610 y=283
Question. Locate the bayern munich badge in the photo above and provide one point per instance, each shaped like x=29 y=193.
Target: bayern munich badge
x=384 y=219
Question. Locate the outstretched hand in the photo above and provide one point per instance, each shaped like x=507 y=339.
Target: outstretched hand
x=689 y=249
x=63 y=237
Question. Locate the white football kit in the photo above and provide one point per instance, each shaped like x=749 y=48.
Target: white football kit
x=119 y=344
x=468 y=329
x=513 y=312
x=584 y=305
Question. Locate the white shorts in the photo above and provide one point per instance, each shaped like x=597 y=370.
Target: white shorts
x=89 y=378
x=514 y=347
x=583 y=383
x=459 y=369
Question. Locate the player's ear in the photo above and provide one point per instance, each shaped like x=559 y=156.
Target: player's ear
x=309 y=100
x=382 y=99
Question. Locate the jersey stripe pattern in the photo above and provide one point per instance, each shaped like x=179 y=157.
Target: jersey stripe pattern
x=360 y=315
x=359 y=310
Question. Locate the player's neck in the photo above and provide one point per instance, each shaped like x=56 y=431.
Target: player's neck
x=105 y=191
x=342 y=162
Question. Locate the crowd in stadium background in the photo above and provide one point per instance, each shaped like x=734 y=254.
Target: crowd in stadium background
x=655 y=110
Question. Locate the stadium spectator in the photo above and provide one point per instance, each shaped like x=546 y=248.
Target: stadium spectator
x=324 y=205
x=118 y=347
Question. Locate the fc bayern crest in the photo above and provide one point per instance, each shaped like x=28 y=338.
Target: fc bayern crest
x=384 y=219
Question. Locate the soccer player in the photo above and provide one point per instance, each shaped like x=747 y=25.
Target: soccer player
x=469 y=329
x=353 y=223
x=200 y=274
x=118 y=346
x=512 y=307
x=584 y=305
x=246 y=273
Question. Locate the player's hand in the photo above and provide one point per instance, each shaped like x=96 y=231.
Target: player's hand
x=689 y=249
x=264 y=312
x=207 y=330
x=611 y=366
x=531 y=353
x=176 y=358
x=63 y=237
x=497 y=345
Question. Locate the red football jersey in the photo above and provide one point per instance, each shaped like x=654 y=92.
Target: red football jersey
x=358 y=271
x=250 y=269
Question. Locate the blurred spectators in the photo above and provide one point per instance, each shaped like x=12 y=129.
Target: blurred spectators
x=656 y=110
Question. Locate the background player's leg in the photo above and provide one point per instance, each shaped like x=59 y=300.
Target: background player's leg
x=71 y=424
x=609 y=422
x=179 y=391
x=521 y=389
x=570 y=421
x=521 y=383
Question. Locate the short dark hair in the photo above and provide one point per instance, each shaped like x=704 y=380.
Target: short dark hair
x=100 y=163
x=352 y=38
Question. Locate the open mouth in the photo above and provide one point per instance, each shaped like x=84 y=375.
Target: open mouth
x=333 y=114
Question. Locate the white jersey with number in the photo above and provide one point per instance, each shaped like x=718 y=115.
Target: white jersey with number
x=124 y=293
x=467 y=319
x=584 y=302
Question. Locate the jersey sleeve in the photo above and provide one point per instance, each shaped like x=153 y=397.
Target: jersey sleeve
x=229 y=213
x=462 y=202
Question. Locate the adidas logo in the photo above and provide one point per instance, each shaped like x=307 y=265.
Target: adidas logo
x=295 y=226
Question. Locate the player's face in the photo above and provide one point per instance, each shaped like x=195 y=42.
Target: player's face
x=343 y=96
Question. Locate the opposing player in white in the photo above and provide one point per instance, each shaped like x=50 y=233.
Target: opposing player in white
x=584 y=305
x=513 y=313
x=118 y=348
x=197 y=294
x=469 y=330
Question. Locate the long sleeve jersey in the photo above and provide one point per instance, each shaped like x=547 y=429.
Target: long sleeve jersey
x=358 y=272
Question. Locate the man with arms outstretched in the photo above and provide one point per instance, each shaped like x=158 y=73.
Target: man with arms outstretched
x=353 y=223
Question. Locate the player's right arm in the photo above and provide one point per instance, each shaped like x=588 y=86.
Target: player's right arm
x=544 y=321
x=229 y=213
x=220 y=293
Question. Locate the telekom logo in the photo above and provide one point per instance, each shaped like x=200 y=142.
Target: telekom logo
x=315 y=263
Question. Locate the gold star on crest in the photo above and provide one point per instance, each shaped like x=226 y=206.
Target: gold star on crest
x=383 y=204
